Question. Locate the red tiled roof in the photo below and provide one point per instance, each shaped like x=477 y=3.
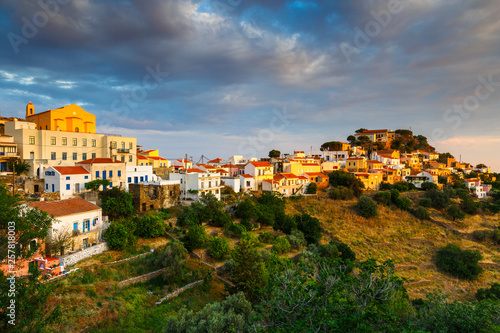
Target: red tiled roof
x=148 y=151
x=99 y=161
x=228 y=165
x=72 y=170
x=222 y=171
x=316 y=174
x=139 y=157
x=195 y=171
x=303 y=177
x=64 y=207
x=289 y=175
x=355 y=158
x=310 y=164
x=260 y=164
x=246 y=176
x=157 y=158
x=373 y=161
x=217 y=160
x=372 y=132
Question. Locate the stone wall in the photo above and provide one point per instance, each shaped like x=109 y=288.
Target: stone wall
x=178 y=291
x=148 y=197
x=30 y=183
x=73 y=258
x=162 y=172
x=142 y=278
x=52 y=196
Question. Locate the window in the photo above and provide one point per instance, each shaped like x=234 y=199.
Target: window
x=64 y=156
x=53 y=140
x=46 y=186
x=130 y=145
x=75 y=156
x=93 y=155
x=94 y=143
x=110 y=185
x=110 y=173
x=68 y=186
x=146 y=178
x=52 y=156
x=119 y=173
x=83 y=224
x=75 y=141
x=97 y=174
x=68 y=178
x=123 y=145
x=129 y=179
x=84 y=142
x=142 y=179
x=113 y=144
x=123 y=158
x=31 y=140
x=84 y=156
x=64 y=141
x=130 y=158
x=88 y=224
x=86 y=177
x=94 y=222
x=75 y=226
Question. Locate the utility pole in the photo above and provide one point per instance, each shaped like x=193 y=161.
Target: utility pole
x=111 y=150
x=186 y=173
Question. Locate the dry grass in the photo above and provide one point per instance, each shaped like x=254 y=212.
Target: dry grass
x=408 y=241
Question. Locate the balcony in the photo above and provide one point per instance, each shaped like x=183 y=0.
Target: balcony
x=2 y=154
x=123 y=151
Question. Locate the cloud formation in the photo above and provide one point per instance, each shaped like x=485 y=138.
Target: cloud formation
x=229 y=68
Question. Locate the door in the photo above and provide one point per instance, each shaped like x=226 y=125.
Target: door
x=85 y=243
x=32 y=155
x=53 y=188
x=37 y=188
x=104 y=174
x=77 y=188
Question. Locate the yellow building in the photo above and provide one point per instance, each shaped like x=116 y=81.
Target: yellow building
x=355 y=164
x=371 y=181
x=299 y=168
x=69 y=118
x=151 y=157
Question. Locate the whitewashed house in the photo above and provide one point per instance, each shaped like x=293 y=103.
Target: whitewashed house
x=418 y=178
x=82 y=219
x=247 y=183
x=68 y=180
x=139 y=174
x=196 y=182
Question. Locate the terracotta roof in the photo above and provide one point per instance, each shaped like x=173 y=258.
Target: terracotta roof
x=222 y=171
x=246 y=176
x=64 y=207
x=139 y=157
x=303 y=177
x=311 y=164
x=228 y=165
x=99 y=161
x=289 y=175
x=195 y=171
x=72 y=170
x=316 y=174
x=158 y=158
x=355 y=158
x=217 y=160
x=260 y=164
x=373 y=161
x=148 y=151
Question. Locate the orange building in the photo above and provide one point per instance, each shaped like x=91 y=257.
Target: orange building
x=69 y=118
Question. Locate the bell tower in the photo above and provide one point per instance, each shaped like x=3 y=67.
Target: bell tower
x=30 y=110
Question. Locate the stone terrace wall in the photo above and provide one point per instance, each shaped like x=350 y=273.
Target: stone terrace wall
x=73 y=258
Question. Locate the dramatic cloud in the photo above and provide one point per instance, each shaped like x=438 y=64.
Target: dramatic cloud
x=207 y=76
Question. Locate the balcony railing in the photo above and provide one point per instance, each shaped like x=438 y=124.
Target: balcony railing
x=5 y=154
x=123 y=151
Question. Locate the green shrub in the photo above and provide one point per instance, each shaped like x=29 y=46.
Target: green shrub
x=383 y=198
x=421 y=213
x=287 y=224
x=481 y=235
x=222 y=219
x=341 y=193
x=403 y=203
x=219 y=248
x=246 y=210
x=120 y=235
x=266 y=237
x=366 y=207
x=440 y=200
x=236 y=229
x=468 y=205
x=296 y=239
x=462 y=264
x=425 y=202
x=394 y=195
x=402 y=186
x=384 y=186
x=426 y=186
x=455 y=213
x=247 y=224
x=281 y=245
x=492 y=293
x=149 y=226
x=309 y=226
x=312 y=188
x=194 y=238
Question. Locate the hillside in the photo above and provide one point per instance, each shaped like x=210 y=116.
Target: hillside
x=408 y=241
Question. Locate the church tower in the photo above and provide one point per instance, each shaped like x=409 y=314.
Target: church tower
x=30 y=110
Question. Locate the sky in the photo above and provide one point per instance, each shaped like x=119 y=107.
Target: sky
x=224 y=77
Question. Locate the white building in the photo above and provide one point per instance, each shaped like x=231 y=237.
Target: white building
x=419 y=178
x=233 y=182
x=196 y=182
x=79 y=217
x=139 y=174
x=330 y=156
x=476 y=188
x=247 y=183
x=67 y=180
